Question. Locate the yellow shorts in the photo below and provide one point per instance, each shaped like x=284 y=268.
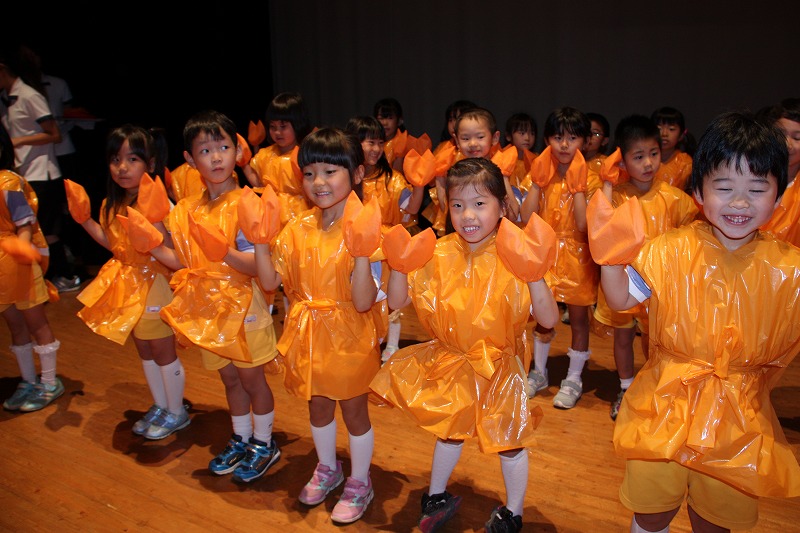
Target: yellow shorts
x=262 y=345
x=150 y=325
x=659 y=486
x=606 y=316
x=39 y=295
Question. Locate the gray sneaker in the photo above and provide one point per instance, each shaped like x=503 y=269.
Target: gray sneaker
x=152 y=414
x=42 y=396
x=537 y=381
x=20 y=396
x=67 y=284
x=167 y=424
x=568 y=395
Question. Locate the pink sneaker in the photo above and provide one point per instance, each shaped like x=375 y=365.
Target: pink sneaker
x=354 y=501
x=322 y=482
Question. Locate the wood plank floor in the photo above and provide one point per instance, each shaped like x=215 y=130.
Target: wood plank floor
x=76 y=466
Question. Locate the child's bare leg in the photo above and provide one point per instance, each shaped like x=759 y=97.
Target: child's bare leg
x=701 y=525
x=623 y=351
x=653 y=523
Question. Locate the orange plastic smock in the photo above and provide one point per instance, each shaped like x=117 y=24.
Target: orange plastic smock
x=115 y=299
x=664 y=207
x=388 y=196
x=17 y=279
x=276 y=169
x=211 y=299
x=470 y=380
x=186 y=181
x=595 y=163
x=575 y=276
x=785 y=221
x=677 y=170
x=723 y=326
x=521 y=169
x=329 y=348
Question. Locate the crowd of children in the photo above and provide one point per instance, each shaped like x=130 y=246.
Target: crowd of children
x=354 y=223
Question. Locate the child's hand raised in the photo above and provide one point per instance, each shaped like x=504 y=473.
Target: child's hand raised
x=527 y=253
x=246 y=155
x=542 y=168
x=259 y=218
x=419 y=169
x=361 y=226
x=256 y=133
x=77 y=201
x=577 y=174
x=506 y=160
x=23 y=252
x=141 y=232
x=153 y=201
x=610 y=170
x=210 y=239
x=615 y=235
x=405 y=253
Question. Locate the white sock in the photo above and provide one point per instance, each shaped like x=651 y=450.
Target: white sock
x=242 y=426
x=155 y=381
x=541 y=351
x=576 y=362
x=445 y=458
x=393 y=337
x=173 y=380
x=361 y=448
x=262 y=426
x=515 y=477
x=625 y=384
x=27 y=366
x=325 y=444
x=636 y=528
x=47 y=360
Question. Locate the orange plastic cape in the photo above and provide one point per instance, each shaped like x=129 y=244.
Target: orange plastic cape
x=278 y=170
x=211 y=299
x=470 y=380
x=405 y=253
x=785 y=221
x=115 y=299
x=329 y=348
x=723 y=327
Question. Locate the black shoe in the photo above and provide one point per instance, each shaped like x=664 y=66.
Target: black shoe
x=502 y=521
x=437 y=509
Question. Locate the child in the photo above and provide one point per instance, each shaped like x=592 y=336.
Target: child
x=390 y=114
x=676 y=165
x=453 y=111
x=399 y=201
x=698 y=414
x=218 y=305
x=469 y=381
x=559 y=189
x=785 y=222
x=22 y=290
x=131 y=288
x=595 y=149
x=664 y=206
x=331 y=337
x=521 y=132
x=288 y=123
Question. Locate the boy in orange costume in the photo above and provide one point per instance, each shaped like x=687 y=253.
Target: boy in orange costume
x=676 y=165
x=698 y=415
x=630 y=171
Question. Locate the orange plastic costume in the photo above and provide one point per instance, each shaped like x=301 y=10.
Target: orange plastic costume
x=470 y=380
x=18 y=278
x=276 y=169
x=185 y=181
x=677 y=170
x=329 y=348
x=664 y=207
x=575 y=277
x=595 y=163
x=211 y=299
x=388 y=196
x=723 y=326
x=785 y=221
x=523 y=166
x=115 y=300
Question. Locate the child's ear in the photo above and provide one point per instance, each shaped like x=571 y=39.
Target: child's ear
x=698 y=197
x=508 y=137
x=152 y=165
x=358 y=175
x=496 y=137
x=189 y=159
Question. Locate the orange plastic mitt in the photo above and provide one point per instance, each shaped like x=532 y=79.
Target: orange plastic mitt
x=577 y=174
x=77 y=201
x=141 y=232
x=528 y=253
x=542 y=168
x=445 y=159
x=210 y=239
x=244 y=158
x=506 y=159
x=361 y=226
x=405 y=253
x=615 y=235
x=23 y=252
x=153 y=201
x=423 y=142
x=259 y=218
x=256 y=133
x=400 y=144
x=610 y=170
x=167 y=179
x=419 y=169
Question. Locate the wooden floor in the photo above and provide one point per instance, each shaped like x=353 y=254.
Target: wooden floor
x=76 y=466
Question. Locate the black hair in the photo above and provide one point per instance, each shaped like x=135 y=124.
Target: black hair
x=365 y=127
x=387 y=107
x=478 y=114
x=6 y=150
x=567 y=120
x=521 y=122
x=290 y=107
x=668 y=115
x=209 y=122
x=478 y=172
x=635 y=128
x=600 y=119
x=789 y=108
x=334 y=147
x=738 y=138
x=452 y=112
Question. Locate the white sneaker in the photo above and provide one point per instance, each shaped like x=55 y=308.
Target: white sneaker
x=388 y=352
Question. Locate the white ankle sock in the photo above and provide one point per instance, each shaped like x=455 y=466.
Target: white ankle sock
x=576 y=362
x=27 y=366
x=541 y=351
x=47 y=360
x=262 y=426
x=625 y=383
x=242 y=426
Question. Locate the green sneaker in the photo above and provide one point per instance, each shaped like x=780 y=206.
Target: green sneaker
x=42 y=396
x=20 y=396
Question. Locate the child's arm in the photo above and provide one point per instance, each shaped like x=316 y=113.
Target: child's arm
x=530 y=204
x=79 y=207
x=363 y=288
x=397 y=290
x=259 y=220
x=415 y=201
x=167 y=256
x=512 y=205
x=244 y=262
x=267 y=275
x=579 y=210
x=544 y=304
x=252 y=176
x=441 y=193
x=615 y=282
x=95 y=231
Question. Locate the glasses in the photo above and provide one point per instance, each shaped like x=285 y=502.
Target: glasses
x=597 y=134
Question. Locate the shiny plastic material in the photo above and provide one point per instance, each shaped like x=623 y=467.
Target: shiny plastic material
x=677 y=170
x=610 y=170
x=388 y=193
x=185 y=181
x=405 y=253
x=142 y=234
x=23 y=252
x=506 y=160
x=259 y=217
x=246 y=155
x=399 y=145
x=209 y=238
x=152 y=200
x=615 y=235
x=528 y=253
x=256 y=133
x=77 y=201
x=284 y=175
x=785 y=221
x=543 y=168
x=361 y=226
x=418 y=169
x=577 y=174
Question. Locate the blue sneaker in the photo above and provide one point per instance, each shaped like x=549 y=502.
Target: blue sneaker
x=42 y=396
x=227 y=461
x=20 y=396
x=167 y=424
x=141 y=426
x=259 y=458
